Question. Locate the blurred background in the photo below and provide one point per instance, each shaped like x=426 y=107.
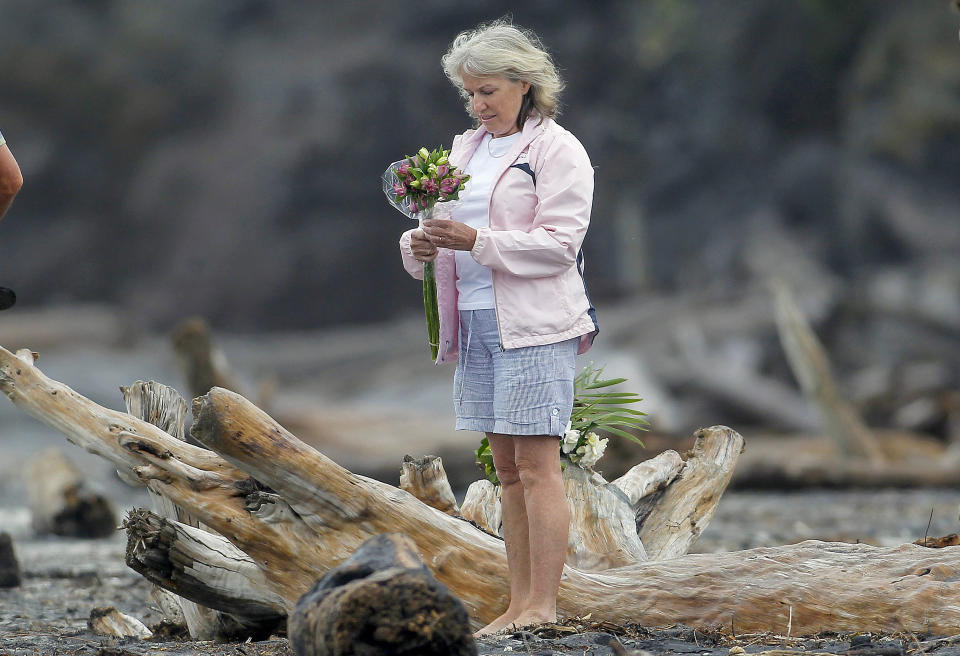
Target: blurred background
x=222 y=160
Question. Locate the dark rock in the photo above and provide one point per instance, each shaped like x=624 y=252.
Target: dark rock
x=9 y=567
x=85 y=515
x=381 y=600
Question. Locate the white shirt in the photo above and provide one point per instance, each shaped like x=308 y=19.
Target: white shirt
x=474 y=281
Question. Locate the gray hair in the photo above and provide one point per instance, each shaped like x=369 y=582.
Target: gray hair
x=502 y=49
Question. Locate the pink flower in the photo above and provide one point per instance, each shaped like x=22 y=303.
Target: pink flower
x=403 y=169
x=428 y=186
x=400 y=189
x=442 y=171
x=449 y=185
x=413 y=206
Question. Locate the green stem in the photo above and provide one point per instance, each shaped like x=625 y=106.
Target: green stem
x=430 y=308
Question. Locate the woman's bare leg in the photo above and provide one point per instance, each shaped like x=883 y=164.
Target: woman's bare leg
x=514 y=531
x=548 y=524
x=536 y=525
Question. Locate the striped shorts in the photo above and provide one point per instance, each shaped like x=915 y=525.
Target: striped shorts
x=521 y=391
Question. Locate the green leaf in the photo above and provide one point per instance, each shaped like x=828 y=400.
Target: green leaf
x=623 y=434
x=606 y=383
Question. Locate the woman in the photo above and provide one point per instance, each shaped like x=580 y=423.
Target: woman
x=513 y=307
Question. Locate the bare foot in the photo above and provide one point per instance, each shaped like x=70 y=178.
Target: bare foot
x=503 y=622
x=530 y=619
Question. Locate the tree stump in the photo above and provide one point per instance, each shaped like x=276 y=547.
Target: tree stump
x=425 y=479
x=381 y=600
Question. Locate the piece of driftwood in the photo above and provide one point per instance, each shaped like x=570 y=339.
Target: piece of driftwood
x=804 y=461
x=425 y=479
x=689 y=501
x=9 y=565
x=163 y=407
x=766 y=399
x=108 y=621
x=199 y=565
x=811 y=367
x=381 y=600
x=617 y=524
x=322 y=513
x=481 y=505
x=603 y=527
x=243 y=615
x=951 y=540
x=203 y=365
x=61 y=502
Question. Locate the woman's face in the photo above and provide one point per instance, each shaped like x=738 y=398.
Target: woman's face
x=496 y=102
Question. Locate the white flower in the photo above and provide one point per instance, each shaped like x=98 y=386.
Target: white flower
x=571 y=438
x=592 y=451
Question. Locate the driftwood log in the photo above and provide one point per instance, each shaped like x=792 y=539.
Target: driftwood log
x=811 y=367
x=61 y=502
x=382 y=600
x=296 y=514
x=164 y=408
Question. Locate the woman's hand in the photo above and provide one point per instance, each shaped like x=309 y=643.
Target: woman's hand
x=422 y=248
x=450 y=234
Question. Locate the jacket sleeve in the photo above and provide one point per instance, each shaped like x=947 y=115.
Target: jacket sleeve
x=413 y=266
x=565 y=194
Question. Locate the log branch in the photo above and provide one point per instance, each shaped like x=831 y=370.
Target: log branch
x=811 y=367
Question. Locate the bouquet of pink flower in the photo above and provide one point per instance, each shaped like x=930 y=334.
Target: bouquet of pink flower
x=415 y=186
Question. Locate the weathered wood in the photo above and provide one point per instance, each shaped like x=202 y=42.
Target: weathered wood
x=766 y=399
x=61 y=502
x=603 y=528
x=206 y=568
x=203 y=365
x=481 y=505
x=689 y=502
x=319 y=514
x=803 y=461
x=649 y=476
x=109 y=621
x=811 y=366
x=382 y=600
x=163 y=407
x=425 y=479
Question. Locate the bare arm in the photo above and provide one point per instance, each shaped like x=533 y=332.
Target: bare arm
x=10 y=179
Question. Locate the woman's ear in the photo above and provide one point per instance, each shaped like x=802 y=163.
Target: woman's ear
x=525 y=86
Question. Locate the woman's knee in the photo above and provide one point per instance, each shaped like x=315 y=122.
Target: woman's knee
x=507 y=470
x=537 y=465
x=504 y=458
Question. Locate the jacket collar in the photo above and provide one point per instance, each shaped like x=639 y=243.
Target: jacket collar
x=465 y=146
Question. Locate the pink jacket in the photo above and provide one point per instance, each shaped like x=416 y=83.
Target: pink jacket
x=539 y=214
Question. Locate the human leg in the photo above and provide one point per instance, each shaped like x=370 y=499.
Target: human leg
x=548 y=524
x=514 y=531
